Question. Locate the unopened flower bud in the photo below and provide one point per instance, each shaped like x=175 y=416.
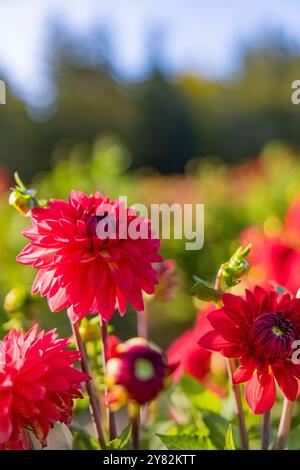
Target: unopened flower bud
x=24 y=199
x=21 y=202
x=16 y=300
x=137 y=373
x=90 y=330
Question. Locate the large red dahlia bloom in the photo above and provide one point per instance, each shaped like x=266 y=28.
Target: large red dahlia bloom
x=37 y=386
x=260 y=329
x=82 y=271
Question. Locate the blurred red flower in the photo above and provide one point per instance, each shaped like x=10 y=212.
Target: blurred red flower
x=136 y=372
x=260 y=329
x=112 y=343
x=192 y=358
x=277 y=257
x=83 y=272
x=167 y=280
x=37 y=386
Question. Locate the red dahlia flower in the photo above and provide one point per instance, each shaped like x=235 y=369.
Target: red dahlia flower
x=82 y=271
x=276 y=257
x=37 y=386
x=138 y=372
x=260 y=329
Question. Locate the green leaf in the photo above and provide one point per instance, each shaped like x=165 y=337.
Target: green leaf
x=82 y=440
x=121 y=442
x=200 y=398
x=18 y=180
x=217 y=426
x=229 y=441
x=190 y=386
x=186 y=442
x=207 y=400
x=203 y=291
x=293 y=442
x=281 y=290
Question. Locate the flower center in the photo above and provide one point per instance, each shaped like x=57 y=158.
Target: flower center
x=143 y=369
x=277 y=331
x=272 y=336
x=92 y=223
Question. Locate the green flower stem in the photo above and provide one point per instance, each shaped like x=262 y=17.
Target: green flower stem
x=235 y=388
x=134 y=414
x=90 y=388
x=110 y=415
x=143 y=332
x=265 y=437
x=236 y=392
x=285 y=424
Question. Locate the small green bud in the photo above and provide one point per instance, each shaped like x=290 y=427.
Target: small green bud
x=16 y=299
x=22 y=203
x=235 y=268
x=24 y=199
x=90 y=330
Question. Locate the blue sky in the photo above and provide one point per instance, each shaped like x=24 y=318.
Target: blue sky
x=202 y=36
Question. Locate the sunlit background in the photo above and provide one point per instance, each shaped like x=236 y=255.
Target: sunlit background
x=164 y=101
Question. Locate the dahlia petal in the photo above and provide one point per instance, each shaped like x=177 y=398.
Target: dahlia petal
x=67 y=227
x=237 y=309
x=79 y=198
x=59 y=300
x=54 y=382
x=242 y=374
x=43 y=281
x=213 y=341
x=34 y=373
x=233 y=350
x=286 y=381
x=135 y=297
x=29 y=254
x=6 y=428
x=260 y=398
x=75 y=317
x=72 y=375
x=229 y=330
x=5 y=400
x=198 y=363
x=33 y=391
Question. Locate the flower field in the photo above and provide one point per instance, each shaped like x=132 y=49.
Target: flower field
x=124 y=343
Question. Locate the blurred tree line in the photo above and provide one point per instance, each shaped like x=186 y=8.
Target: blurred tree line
x=163 y=120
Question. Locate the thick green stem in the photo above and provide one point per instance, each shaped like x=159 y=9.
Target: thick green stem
x=134 y=414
